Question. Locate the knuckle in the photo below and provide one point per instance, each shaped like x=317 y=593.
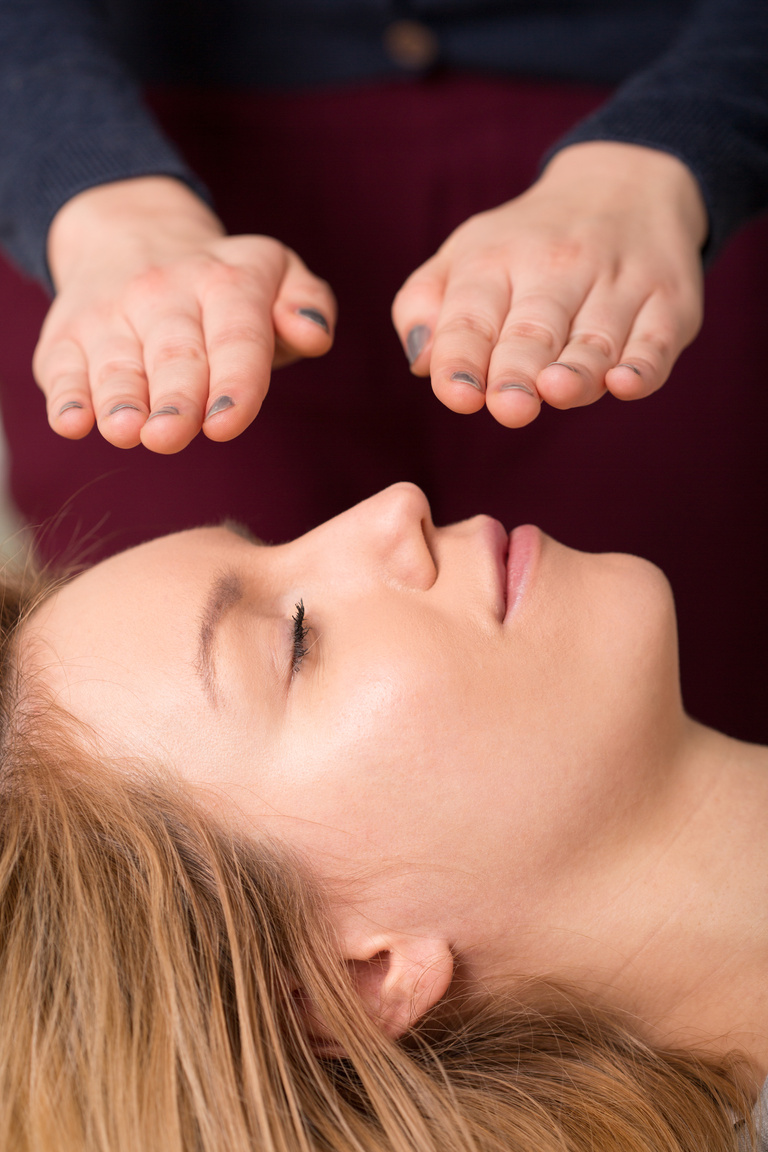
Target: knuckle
x=53 y=355
x=259 y=249
x=534 y=331
x=660 y=342
x=683 y=306
x=172 y=352
x=600 y=341
x=472 y=323
x=691 y=317
x=58 y=384
x=224 y=275
x=117 y=367
x=560 y=254
x=240 y=332
x=149 y=284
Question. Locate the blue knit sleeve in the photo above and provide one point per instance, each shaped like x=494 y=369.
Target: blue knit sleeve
x=70 y=118
x=705 y=101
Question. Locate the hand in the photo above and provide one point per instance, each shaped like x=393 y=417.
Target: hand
x=164 y=325
x=589 y=282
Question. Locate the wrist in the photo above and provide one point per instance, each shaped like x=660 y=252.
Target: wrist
x=613 y=172
x=145 y=218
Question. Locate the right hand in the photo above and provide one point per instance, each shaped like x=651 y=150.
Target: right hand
x=590 y=282
x=163 y=325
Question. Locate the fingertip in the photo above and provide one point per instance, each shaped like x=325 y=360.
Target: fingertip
x=226 y=418
x=513 y=404
x=121 y=424
x=415 y=346
x=565 y=385
x=315 y=317
x=462 y=392
x=303 y=331
x=415 y=312
x=72 y=419
x=630 y=380
x=166 y=431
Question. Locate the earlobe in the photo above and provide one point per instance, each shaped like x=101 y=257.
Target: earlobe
x=400 y=981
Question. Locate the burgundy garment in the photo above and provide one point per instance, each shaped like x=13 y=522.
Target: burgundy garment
x=365 y=184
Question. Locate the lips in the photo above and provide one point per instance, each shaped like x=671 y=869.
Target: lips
x=497 y=541
x=522 y=554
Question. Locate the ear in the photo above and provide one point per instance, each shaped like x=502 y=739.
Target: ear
x=400 y=979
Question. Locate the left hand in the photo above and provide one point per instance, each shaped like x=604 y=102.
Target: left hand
x=591 y=281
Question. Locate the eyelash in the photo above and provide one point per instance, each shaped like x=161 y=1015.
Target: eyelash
x=300 y=633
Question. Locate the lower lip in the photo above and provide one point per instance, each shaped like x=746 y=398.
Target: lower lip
x=524 y=548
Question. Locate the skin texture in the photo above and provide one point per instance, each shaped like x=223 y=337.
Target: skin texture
x=482 y=795
x=159 y=314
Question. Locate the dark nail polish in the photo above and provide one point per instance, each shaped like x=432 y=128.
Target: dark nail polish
x=168 y=410
x=416 y=342
x=514 y=385
x=220 y=405
x=316 y=318
x=632 y=368
x=468 y=378
x=69 y=404
x=562 y=364
x=119 y=408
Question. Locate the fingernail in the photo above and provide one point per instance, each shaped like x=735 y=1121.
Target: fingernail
x=69 y=404
x=468 y=378
x=119 y=408
x=520 y=387
x=316 y=318
x=632 y=368
x=562 y=364
x=416 y=342
x=168 y=410
x=220 y=405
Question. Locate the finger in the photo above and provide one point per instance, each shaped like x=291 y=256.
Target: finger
x=415 y=311
x=533 y=334
x=61 y=372
x=118 y=384
x=304 y=313
x=593 y=346
x=475 y=304
x=176 y=364
x=240 y=343
x=662 y=328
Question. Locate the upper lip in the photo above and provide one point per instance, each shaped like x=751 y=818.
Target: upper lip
x=501 y=554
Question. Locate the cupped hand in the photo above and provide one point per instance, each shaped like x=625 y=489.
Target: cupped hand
x=591 y=281
x=163 y=325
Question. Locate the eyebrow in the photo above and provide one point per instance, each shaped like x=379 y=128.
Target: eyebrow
x=225 y=592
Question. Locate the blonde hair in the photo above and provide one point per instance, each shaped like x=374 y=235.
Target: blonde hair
x=152 y=963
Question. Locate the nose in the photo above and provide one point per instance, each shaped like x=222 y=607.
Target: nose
x=385 y=537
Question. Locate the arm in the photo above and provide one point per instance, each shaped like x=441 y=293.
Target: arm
x=706 y=102
x=71 y=117
x=591 y=281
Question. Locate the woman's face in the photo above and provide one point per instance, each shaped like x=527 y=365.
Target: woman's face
x=453 y=701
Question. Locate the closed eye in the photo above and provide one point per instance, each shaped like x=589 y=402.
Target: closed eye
x=300 y=632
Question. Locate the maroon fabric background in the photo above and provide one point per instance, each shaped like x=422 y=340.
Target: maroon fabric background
x=365 y=185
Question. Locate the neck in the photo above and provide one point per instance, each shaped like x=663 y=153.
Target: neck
x=674 y=928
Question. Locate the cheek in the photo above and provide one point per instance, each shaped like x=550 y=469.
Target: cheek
x=389 y=748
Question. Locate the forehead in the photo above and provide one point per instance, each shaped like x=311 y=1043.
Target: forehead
x=132 y=620
x=158 y=572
